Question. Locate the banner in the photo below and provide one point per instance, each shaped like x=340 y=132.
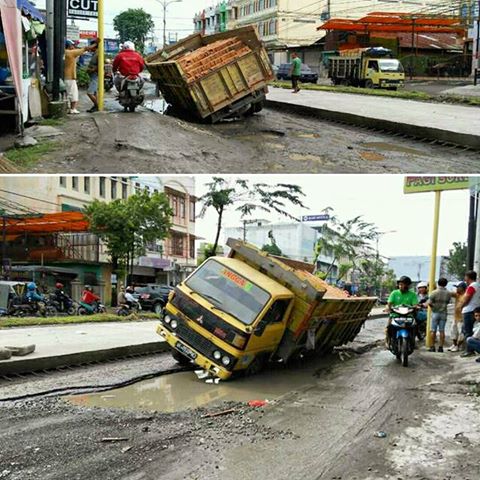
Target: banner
x=85 y=9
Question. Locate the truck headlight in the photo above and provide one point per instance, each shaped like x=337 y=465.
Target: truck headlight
x=226 y=361
x=217 y=355
x=167 y=319
x=174 y=324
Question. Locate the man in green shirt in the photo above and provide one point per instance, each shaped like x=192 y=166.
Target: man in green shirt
x=402 y=296
x=296 y=72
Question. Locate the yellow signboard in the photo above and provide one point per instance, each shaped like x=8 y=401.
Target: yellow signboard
x=437 y=184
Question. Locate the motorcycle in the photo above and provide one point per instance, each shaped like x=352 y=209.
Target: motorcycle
x=67 y=307
x=27 y=308
x=125 y=310
x=421 y=324
x=108 y=77
x=402 y=332
x=94 y=308
x=131 y=94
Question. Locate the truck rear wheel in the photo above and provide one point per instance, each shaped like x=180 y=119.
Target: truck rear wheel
x=180 y=359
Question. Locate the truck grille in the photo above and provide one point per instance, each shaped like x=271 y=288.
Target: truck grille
x=195 y=340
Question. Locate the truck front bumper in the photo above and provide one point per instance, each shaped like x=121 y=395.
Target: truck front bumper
x=188 y=351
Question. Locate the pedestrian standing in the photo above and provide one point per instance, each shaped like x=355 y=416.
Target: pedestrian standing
x=296 y=72
x=438 y=302
x=456 y=332
x=92 y=70
x=473 y=342
x=70 y=74
x=470 y=302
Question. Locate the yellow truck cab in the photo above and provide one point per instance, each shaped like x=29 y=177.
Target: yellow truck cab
x=369 y=68
x=235 y=314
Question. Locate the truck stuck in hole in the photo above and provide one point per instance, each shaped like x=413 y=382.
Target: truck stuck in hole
x=234 y=315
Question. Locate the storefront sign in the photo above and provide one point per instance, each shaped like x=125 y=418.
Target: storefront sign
x=83 y=8
x=88 y=34
x=436 y=184
x=316 y=218
x=73 y=33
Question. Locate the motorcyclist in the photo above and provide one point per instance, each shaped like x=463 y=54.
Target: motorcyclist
x=422 y=295
x=89 y=299
x=128 y=63
x=61 y=297
x=121 y=298
x=402 y=296
x=32 y=295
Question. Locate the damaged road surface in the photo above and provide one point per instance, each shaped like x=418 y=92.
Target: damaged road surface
x=323 y=420
x=272 y=141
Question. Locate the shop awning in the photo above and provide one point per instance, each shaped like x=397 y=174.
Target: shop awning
x=30 y=9
x=69 y=222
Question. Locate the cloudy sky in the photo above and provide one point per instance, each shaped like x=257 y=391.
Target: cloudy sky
x=379 y=198
x=180 y=15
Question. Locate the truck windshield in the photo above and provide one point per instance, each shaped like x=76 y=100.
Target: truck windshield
x=390 y=65
x=228 y=291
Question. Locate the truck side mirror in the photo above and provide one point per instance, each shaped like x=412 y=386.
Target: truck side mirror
x=260 y=328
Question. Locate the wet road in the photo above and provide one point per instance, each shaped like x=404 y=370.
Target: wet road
x=273 y=142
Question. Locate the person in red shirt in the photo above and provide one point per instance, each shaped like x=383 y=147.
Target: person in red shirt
x=128 y=63
x=88 y=297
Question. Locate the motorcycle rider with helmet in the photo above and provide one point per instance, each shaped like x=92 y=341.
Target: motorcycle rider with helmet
x=128 y=63
x=89 y=298
x=402 y=296
x=61 y=297
x=32 y=295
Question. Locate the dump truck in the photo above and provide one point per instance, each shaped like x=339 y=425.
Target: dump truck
x=235 y=314
x=368 y=68
x=213 y=77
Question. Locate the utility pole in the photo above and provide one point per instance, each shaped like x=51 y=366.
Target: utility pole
x=4 y=243
x=50 y=40
x=476 y=58
x=473 y=216
x=101 y=55
x=59 y=34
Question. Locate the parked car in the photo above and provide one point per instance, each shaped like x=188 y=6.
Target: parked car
x=153 y=297
x=307 y=75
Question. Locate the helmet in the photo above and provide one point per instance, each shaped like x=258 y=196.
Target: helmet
x=59 y=285
x=422 y=285
x=31 y=286
x=129 y=289
x=88 y=287
x=406 y=280
x=128 y=46
x=462 y=285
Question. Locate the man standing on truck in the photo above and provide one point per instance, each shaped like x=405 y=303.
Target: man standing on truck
x=296 y=72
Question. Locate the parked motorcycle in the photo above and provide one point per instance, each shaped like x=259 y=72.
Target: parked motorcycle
x=131 y=93
x=402 y=332
x=125 y=310
x=94 y=308
x=26 y=308
x=108 y=77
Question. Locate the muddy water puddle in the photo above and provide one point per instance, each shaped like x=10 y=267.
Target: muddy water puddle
x=387 y=147
x=182 y=391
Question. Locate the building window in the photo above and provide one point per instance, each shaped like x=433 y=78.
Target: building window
x=101 y=187
x=192 y=210
x=63 y=182
x=182 y=209
x=113 y=188
x=75 y=183
x=175 y=206
x=138 y=188
x=177 y=246
x=124 y=188
x=86 y=185
x=192 y=247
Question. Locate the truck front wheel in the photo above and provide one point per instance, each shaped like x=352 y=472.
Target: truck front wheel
x=368 y=84
x=257 y=365
x=180 y=359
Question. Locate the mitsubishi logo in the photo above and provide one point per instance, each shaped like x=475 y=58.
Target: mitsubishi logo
x=200 y=320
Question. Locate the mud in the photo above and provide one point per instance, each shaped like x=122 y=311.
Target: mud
x=272 y=141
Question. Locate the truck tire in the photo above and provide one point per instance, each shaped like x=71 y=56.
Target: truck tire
x=369 y=84
x=257 y=365
x=180 y=359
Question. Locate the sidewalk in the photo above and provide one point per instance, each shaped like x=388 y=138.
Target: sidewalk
x=437 y=121
x=64 y=345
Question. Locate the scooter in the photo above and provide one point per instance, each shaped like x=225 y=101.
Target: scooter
x=68 y=306
x=86 y=309
x=108 y=77
x=27 y=308
x=402 y=332
x=125 y=310
x=131 y=93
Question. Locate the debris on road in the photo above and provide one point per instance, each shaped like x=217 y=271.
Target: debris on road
x=380 y=434
x=220 y=414
x=114 y=439
x=21 y=351
x=257 y=403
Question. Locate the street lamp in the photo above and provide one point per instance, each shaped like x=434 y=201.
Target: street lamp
x=165 y=4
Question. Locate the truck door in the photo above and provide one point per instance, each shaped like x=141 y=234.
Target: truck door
x=269 y=331
x=372 y=73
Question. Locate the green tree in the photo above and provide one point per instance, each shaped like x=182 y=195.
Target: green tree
x=134 y=25
x=247 y=198
x=127 y=226
x=457 y=262
x=272 y=249
x=345 y=241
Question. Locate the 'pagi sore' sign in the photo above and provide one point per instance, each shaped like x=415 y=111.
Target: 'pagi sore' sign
x=83 y=9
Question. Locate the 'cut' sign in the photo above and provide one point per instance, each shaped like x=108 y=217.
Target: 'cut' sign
x=83 y=8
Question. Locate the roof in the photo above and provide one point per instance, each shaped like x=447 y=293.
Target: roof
x=396 y=22
x=41 y=268
x=428 y=41
x=48 y=223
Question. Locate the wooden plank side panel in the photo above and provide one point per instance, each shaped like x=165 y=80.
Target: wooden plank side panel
x=251 y=70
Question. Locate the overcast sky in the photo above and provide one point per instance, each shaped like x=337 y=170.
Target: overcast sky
x=379 y=198
x=179 y=15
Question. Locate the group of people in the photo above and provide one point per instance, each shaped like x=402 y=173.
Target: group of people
x=466 y=322
x=127 y=63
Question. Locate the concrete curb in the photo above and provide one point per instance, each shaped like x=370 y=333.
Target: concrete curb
x=28 y=365
x=421 y=132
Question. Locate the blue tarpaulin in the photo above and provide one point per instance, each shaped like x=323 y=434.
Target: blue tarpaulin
x=30 y=9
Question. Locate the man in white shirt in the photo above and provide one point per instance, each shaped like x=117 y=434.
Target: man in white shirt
x=473 y=342
x=470 y=302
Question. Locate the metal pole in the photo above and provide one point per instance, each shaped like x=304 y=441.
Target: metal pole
x=433 y=260
x=58 y=50
x=4 y=245
x=164 y=24
x=101 y=56
x=477 y=48
x=471 y=232
x=50 y=40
